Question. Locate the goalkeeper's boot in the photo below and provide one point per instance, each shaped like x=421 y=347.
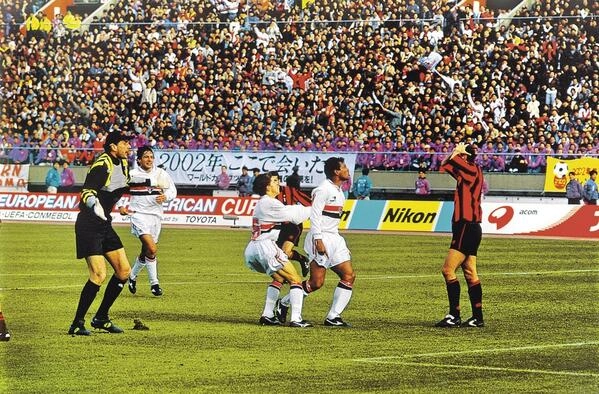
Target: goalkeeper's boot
x=281 y=311
x=473 y=322
x=78 y=328
x=132 y=285
x=449 y=321
x=106 y=325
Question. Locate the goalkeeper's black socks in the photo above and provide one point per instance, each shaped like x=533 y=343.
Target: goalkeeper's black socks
x=113 y=289
x=88 y=294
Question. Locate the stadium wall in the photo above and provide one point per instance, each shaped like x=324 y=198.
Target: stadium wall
x=384 y=182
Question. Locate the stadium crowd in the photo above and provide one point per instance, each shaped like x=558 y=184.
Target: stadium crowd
x=324 y=75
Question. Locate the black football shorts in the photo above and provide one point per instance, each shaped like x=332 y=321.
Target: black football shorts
x=466 y=237
x=95 y=237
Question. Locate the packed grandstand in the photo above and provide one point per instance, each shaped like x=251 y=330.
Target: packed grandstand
x=398 y=82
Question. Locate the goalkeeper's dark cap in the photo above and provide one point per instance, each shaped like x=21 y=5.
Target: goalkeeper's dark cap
x=114 y=138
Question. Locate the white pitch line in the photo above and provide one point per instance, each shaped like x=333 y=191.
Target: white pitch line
x=500 y=369
x=486 y=274
x=479 y=351
x=400 y=360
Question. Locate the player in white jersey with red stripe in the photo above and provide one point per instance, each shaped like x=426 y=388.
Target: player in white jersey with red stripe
x=146 y=212
x=325 y=247
x=263 y=255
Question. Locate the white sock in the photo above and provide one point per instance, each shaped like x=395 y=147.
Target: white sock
x=151 y=265
x=272 y=295
x=138 y=266
x=296 y=298
x=341 y=298
x=286 y=300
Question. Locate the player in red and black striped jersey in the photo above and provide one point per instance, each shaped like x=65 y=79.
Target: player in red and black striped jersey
x=291 y=232
x=467 y=234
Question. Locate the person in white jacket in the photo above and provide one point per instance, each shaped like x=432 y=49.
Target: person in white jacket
x=146 y=210
x=263 y=255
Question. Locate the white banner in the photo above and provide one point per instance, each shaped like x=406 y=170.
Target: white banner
x=202 y=167
x=524 y=218
x=14 y=177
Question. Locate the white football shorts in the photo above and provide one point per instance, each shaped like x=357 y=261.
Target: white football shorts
x=146 y=224
x=335 y=245
x=264 y=256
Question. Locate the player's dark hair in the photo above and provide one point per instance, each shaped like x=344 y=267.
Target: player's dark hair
x=261 y=182
x=293 y=181
x=332 y=164
x=142 y=150
x=471 y=149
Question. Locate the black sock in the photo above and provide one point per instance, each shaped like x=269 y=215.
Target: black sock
x=475 y=293
x=88 y=294
x=113 y=289
x=453 y=294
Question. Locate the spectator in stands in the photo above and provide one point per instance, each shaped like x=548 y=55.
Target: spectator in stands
x=362 y=186
x=255 y=173
x=223 y=180
x=32 y=26
x=590 y=193
x=518 y=163
x=574 y=191
x=243 y=183
x=67 y=178
x=53 y=178
x=423 y=187
x=379 y=102
x=45 y=26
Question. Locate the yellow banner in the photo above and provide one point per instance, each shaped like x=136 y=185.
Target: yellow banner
x=410 y=215
x=306 y=3
x=345 y=215
x=556 y=176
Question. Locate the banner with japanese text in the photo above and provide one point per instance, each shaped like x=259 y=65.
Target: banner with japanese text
x=14 y=177
x=202 y=167
x=556 y=176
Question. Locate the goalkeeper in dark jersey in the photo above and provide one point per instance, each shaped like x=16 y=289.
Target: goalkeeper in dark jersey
x=106 y=181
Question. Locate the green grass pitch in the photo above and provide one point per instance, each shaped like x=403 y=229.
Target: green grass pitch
x=540 y=301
